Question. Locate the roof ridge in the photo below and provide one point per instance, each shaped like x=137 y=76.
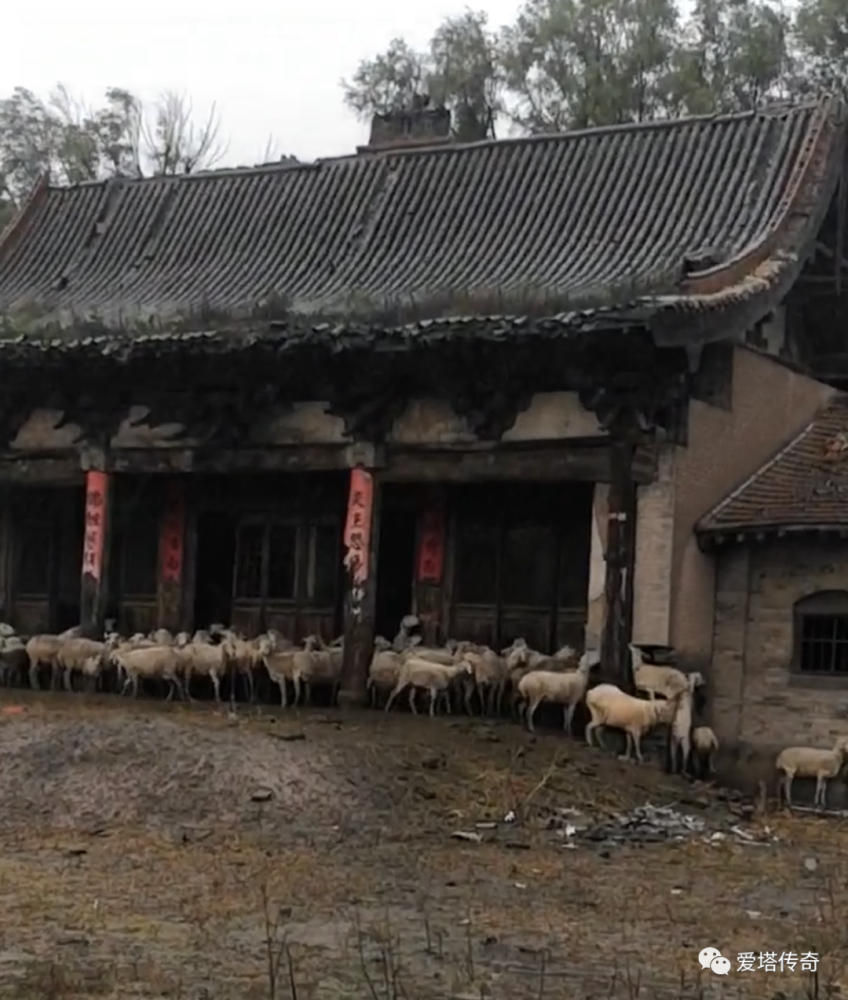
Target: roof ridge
x=783 y=109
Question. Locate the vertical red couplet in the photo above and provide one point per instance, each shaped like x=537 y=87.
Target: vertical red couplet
x=96 y=493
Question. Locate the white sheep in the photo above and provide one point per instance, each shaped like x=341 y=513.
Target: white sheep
x=43 y=650
x=280 y=666
x=520 y=660
x=150 y=663
x=243 y=657
x=14 y=661
x=317 y=664
x=609 y=706
x=202 y=659
x=704 y=745
x=82 y=656
x=383 y=672
x=435 y=678
x=654 y=679
x=161 y=637
x=566 y=689
x=681 y=728
x=809 y=762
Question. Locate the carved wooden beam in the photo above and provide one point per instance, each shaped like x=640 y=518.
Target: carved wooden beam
x=489 y=398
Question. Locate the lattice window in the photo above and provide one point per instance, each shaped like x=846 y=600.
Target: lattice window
x=821 y=634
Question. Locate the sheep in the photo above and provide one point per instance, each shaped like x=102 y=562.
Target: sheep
x=383 y=672
x=609 y=706
x=566 y=689
x=43 y=650
x=680 y=743
x=202 y=659
x=433 y=677
x=150 y=663
x=654 y=680
x=488 y=679
x=279 y=662
x=811 y=763
x=243 y=657
x=316 y=664
x=14 y=661
x=520 y=660
x=85 y=656
x=704 y=745
x=161 y=637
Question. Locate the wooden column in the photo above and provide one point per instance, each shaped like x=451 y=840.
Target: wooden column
x=172 y=536
x=430 y=567
x=620 y=561
x=361 y=541
x=95 y=552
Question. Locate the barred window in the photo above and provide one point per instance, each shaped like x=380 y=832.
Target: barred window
x=821 y=634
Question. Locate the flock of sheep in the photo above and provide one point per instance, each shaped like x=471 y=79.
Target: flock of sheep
x=459 y=675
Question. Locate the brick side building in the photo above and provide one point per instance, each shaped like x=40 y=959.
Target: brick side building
x=780 y=546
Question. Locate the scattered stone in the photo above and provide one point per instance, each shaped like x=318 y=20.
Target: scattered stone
x=475 y=838
x=810 y=864
x=261 y=795
x=288 y=737
x=432 y=762
x=486 y=826
x=76 y=851
x=517 y=845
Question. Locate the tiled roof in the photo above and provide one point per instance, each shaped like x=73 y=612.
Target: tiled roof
x=636 y=222
x=805 y=485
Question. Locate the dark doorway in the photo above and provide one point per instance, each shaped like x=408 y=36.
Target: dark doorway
x=395 y=568
x=216 y=553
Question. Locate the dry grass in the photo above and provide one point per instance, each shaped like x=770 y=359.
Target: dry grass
x=137 y=864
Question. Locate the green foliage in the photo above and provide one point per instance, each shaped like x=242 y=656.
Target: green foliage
x=119 y=137
x=566 y=64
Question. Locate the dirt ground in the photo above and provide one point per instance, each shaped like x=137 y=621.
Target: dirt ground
x=162 y=851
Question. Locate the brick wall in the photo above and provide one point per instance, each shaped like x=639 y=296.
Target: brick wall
x=770 y=403
x=755 y=699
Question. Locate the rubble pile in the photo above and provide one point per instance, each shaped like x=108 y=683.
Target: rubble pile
x=647 y=824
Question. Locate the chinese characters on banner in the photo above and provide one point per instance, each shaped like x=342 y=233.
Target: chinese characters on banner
x=431 y=548
x=172 y=535
x=96 y=487
x=357 y=535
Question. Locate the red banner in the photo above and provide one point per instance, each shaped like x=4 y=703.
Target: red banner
x=431 y=547
x=96 y=494
x=172 y=534
x=357 y=535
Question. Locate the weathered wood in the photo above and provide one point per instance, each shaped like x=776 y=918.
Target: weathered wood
x=34 y=470
x=172 y=560
x=361 y=540
x=96 y=549
x=588 y=463
x=620 y=557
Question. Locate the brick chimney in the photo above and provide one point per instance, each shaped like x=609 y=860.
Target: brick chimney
x=421 y=125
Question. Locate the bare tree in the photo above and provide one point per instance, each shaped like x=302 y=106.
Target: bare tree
x=174 y=143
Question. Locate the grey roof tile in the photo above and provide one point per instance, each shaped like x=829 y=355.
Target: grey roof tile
x=598 y=223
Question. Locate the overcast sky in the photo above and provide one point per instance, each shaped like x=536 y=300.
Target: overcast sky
x=272 y=67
